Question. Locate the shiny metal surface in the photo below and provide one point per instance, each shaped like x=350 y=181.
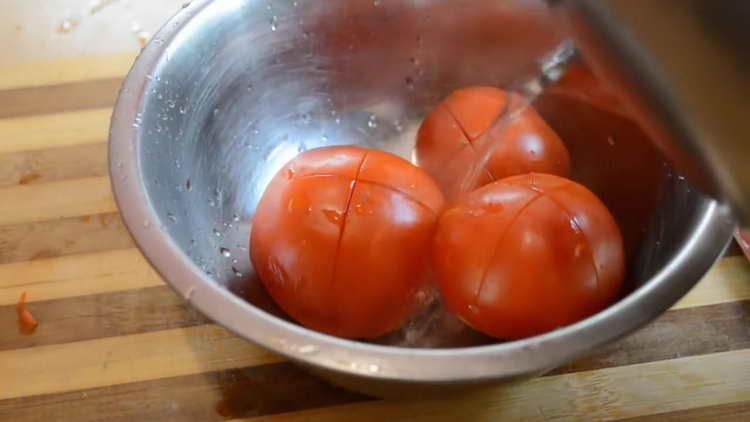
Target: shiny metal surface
x=229 y=90
x=683 y=68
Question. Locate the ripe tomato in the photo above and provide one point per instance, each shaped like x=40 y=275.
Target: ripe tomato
x=450 y=140
x=526 y=254
x=341 y=239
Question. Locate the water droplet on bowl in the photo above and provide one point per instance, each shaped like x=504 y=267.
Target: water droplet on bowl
x=217 y=233
x=307 y=349
x=226 y=253
x=67 y=25
x=236 y=272
x=171 y=217
x=274 y=23
x=372 y=121
x=189 y=293
x=398 y=126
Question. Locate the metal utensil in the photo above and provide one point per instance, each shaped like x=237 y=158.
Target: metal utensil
x=682 y=69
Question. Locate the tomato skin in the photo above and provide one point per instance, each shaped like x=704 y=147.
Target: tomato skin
x=341 y=239
x=455 y=133
x=527 y=254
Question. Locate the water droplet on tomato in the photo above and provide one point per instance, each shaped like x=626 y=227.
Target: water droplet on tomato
x=333 y=216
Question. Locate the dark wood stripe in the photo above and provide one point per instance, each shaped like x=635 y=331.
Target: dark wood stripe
x=59 y=98
x=283 y=387
x=215 y=396
x=49 y=165
x=679 y=333
x=739 y=411
x=97 y=316
x=47 y=239
x=734 y=249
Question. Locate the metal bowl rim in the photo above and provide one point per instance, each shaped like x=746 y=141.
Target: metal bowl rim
x=532 y=355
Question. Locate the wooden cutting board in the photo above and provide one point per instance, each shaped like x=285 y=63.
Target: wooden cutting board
x=115 y=343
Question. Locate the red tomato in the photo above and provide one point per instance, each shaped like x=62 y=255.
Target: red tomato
x=526 y=254
x=450 y=140
x=341 y=239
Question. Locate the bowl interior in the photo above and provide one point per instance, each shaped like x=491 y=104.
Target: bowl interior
x=244 y=86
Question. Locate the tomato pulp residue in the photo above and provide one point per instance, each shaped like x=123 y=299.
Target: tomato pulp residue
x=26 y=322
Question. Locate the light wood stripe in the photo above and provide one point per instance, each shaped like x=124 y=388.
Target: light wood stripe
x=111 y=271
x=620 y=392
x=40 y=73
x=728 y=280
x=30 y=133
x=730 y=412
x=124 y=359
x=76 y=275
x=56 y=200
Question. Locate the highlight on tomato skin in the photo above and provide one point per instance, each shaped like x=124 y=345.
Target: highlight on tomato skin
x=456 y=133
x=528 y=254
x=341 y=239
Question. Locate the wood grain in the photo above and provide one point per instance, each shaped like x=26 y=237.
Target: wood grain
x=123 y=359
x=69 y=236
x=99 y=316
x=110 y=271
x=708 y=329
x=58 y=98
x=56 y=200
x=727 y=281
x=214 y=396
x=30 y=133
x=677 y=333
x=627 y=391
x=56 y=72
x=76 y=275
x=52 y=165
x=739 y=411
x=115 y=343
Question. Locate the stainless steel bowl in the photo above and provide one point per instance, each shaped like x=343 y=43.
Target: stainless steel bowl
x=229 y=90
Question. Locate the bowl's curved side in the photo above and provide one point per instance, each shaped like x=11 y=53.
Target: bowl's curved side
x=147 y=223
